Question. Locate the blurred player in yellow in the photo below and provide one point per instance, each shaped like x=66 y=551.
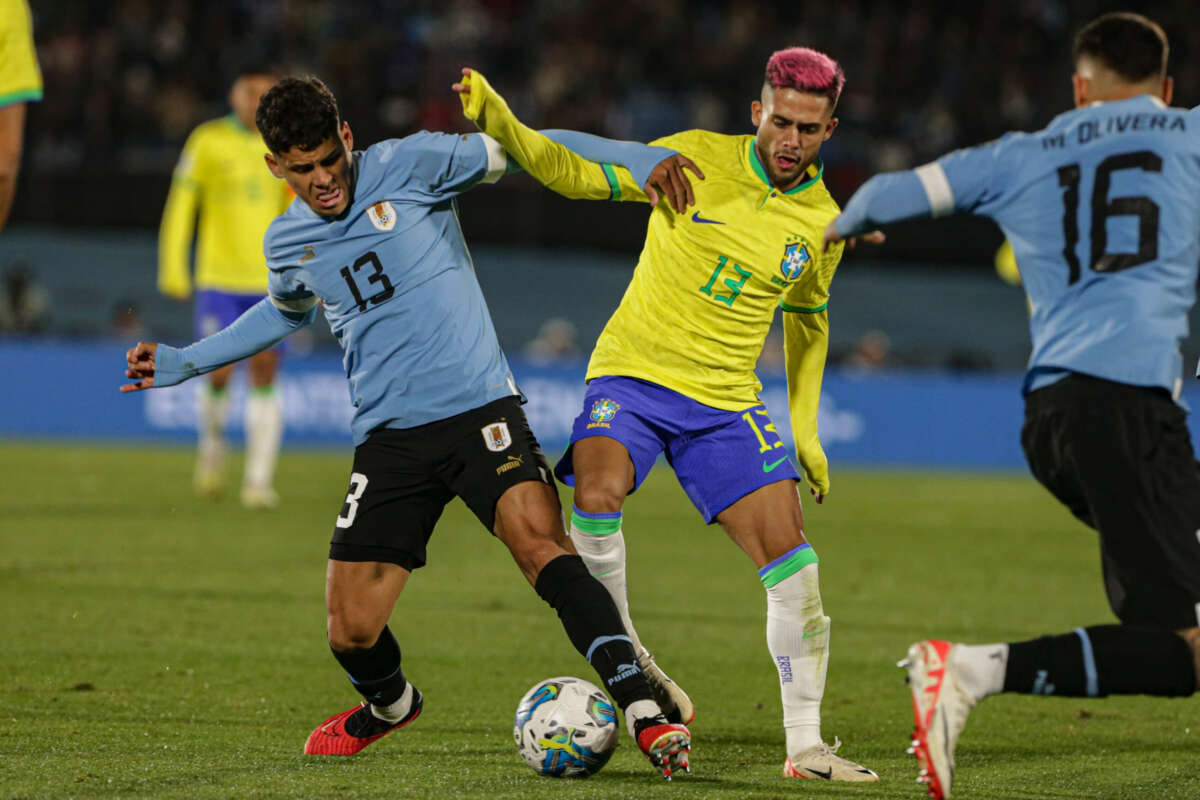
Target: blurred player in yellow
x=221 y=175
x=20 y=83
x=673 y=371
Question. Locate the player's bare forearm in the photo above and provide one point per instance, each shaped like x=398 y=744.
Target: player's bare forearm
x=12 y=132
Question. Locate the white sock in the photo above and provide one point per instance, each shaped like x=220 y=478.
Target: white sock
x=980 y=668
x=798 y=639
x=604 y=556
x=264 y=432
x=397 y=710
x=637 y=710
x=213 y=408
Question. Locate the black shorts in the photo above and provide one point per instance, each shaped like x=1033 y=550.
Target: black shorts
x=402 y=480
x=1121 y=459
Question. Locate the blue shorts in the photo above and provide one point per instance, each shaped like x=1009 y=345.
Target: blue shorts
x=216 y=310
x=719 y=456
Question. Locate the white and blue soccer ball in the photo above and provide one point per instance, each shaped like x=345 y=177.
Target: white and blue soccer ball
x=566 y=727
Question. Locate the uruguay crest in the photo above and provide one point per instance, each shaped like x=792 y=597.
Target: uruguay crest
x=496 y=436
x=382 y=215
x=603 y=410
x=796 y=256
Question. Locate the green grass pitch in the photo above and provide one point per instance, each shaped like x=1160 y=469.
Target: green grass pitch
x=158 y=646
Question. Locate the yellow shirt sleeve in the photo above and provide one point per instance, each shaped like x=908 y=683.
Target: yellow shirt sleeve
x=20 y=77
x=806 y=347
x=179 y=223
x=554 y=165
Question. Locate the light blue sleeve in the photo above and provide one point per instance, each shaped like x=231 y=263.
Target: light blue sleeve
x=435 y=166
x=972 y=180
x=890 y=197
x=262 y=326
x=640 y=159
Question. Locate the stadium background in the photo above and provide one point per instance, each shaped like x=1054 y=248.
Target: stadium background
x=927 y=341
x=163 y=646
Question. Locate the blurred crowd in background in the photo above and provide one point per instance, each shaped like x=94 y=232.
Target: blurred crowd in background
x=127 y=80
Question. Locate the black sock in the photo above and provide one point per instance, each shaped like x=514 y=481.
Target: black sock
x=375 y=672
x=1102 y=660
x=594 y=626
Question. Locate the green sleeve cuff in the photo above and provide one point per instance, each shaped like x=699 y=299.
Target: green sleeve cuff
x=23 y=96
x=802 y=309
x=614 y=185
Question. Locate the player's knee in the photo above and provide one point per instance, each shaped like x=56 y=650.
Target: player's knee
x=347 y=635
x=600 y=494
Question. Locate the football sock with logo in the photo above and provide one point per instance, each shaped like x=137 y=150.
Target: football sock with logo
x=375 y=673
x=798 y=640
x=1102 y=660
x=264 y=432
x=594 y=627
x=601 y=545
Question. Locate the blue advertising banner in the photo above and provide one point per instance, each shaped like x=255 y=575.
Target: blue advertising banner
x=56 y=389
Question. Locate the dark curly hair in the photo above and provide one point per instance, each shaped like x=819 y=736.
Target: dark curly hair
x=297 y=112
x=1129 y=44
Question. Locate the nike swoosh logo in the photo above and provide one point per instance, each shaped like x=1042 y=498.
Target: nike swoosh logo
x=768 y=468
x=697 y=218
x=811 y=635
x=827 y=774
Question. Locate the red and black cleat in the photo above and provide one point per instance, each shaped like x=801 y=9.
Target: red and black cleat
x=346 y=733
x=667 y=745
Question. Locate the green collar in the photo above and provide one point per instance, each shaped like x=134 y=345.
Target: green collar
x=815 y=171
x=237 y=124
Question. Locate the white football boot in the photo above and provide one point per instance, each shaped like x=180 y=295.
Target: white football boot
x=823 y=762
x=940 y=709
x=673 y=701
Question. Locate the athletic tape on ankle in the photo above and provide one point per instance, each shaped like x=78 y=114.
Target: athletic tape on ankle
x=787 y=565
x=595 y=524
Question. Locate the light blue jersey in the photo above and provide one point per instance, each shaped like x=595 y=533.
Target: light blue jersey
x=1103 y=212
x=397 y=284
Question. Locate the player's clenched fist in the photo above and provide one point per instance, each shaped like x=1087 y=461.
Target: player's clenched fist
x=139 y=361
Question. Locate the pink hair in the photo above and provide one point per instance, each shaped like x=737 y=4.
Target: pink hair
x=806 y=70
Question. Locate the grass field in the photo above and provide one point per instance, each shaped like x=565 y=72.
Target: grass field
x=159 y=646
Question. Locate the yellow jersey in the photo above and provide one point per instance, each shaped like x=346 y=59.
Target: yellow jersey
x=20 y=77
x=707 y=283
x=221 y=172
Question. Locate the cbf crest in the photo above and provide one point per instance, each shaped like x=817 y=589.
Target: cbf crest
x=382 y=215
x=496 y=436
x=796 y=256
x=603 y=411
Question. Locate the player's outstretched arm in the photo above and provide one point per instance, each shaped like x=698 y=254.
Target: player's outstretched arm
x=884 y=199
x=805 y=347
x=656 y=170
x=565 y=171
x=974 y=179
x=152 y=365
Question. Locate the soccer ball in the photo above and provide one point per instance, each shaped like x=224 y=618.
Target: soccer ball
x=566 y=727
